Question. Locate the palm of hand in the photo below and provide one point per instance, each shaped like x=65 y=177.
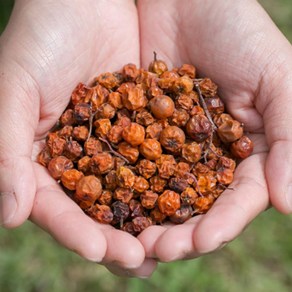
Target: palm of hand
x=107 y=45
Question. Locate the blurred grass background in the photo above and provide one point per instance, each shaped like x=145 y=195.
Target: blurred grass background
x=259 y=260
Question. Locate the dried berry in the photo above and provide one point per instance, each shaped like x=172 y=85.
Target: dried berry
x=134 y=134
x=178 y=184
x=199 y=128
x=101 y=213
x=188 y=196
x=187 y=69
x=140 y=184
x=73 y=150
x=70 y=178
x=123 y=194
x=207 y=87
x=125 y=177
x=88 y=190
x=139 y=147
x=230 y=131
x=105 y=197
x=181 y=215
x=157 y=66
x=162 y=106
x=80 y=133
x=58 y=165
x=146 y=168
x=101 y=163
x=128 y=151
x=191 y=152
x=150 y=149
x=135 y=99
x=82 y=112
x=242 y=148
x=172 y=138
x=148 y=199
x=168 y=202
x=121 y=212
x=102 y=127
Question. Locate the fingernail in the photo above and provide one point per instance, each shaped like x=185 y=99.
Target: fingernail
x=8 y=207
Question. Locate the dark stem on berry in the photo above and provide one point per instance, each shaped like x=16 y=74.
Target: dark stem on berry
x=155 y=56
x=90 y=122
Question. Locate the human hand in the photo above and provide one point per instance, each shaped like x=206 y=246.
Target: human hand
x=46 y=49
x=237 y=45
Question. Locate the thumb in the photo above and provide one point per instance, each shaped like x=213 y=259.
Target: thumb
x=278 y=126
x=17 y=179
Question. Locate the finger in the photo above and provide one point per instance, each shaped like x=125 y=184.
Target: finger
x=123 y=249
x=149 y=237
x=66 y=222
x=278 y=119
x=177 y=242
x=18 y=123
x=144 y=271
x=230 y=214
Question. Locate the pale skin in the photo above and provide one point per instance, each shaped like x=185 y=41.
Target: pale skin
x=49 y=46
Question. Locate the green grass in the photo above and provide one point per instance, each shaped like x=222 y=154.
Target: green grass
x=259 y=260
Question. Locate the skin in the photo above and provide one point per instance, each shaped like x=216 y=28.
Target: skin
x=234 y=43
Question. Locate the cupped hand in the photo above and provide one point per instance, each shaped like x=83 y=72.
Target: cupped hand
x=237 y=45
x=46 y=49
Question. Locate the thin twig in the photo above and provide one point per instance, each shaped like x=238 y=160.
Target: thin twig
x=190 y=175
x=202 y=102
x=113 y=151
x=91 y=122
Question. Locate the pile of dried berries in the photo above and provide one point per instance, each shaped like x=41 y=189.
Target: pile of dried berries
x=141 y=147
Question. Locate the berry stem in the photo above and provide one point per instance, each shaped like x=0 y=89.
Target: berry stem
x=204 y=106
x=113 y=151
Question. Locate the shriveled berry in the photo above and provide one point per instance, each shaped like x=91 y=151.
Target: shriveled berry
x=121 y=212
x=146 y=168
x=101 y=163
x=192 y=152
x=101 y=213
x=125 y=177
x=242 y=148
x=80 y=133
x=188 y=196
x=82 y=112
x=178 y=184
x=148 y=199
x=58 y=165
x=230 y=131
x=158 y=67
x=70 y=178
x=128 y=151
x=140 y=184
x=168 y=202
x=199 y=128
x=73 y=150
x=181 y=215
x=208 y=87
x=150 y=149
x=123 y=194
x=141 y=223
x=88 y=190
x=187 y=69
x=134 y=134
x=172 y=138
x=105 y=197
